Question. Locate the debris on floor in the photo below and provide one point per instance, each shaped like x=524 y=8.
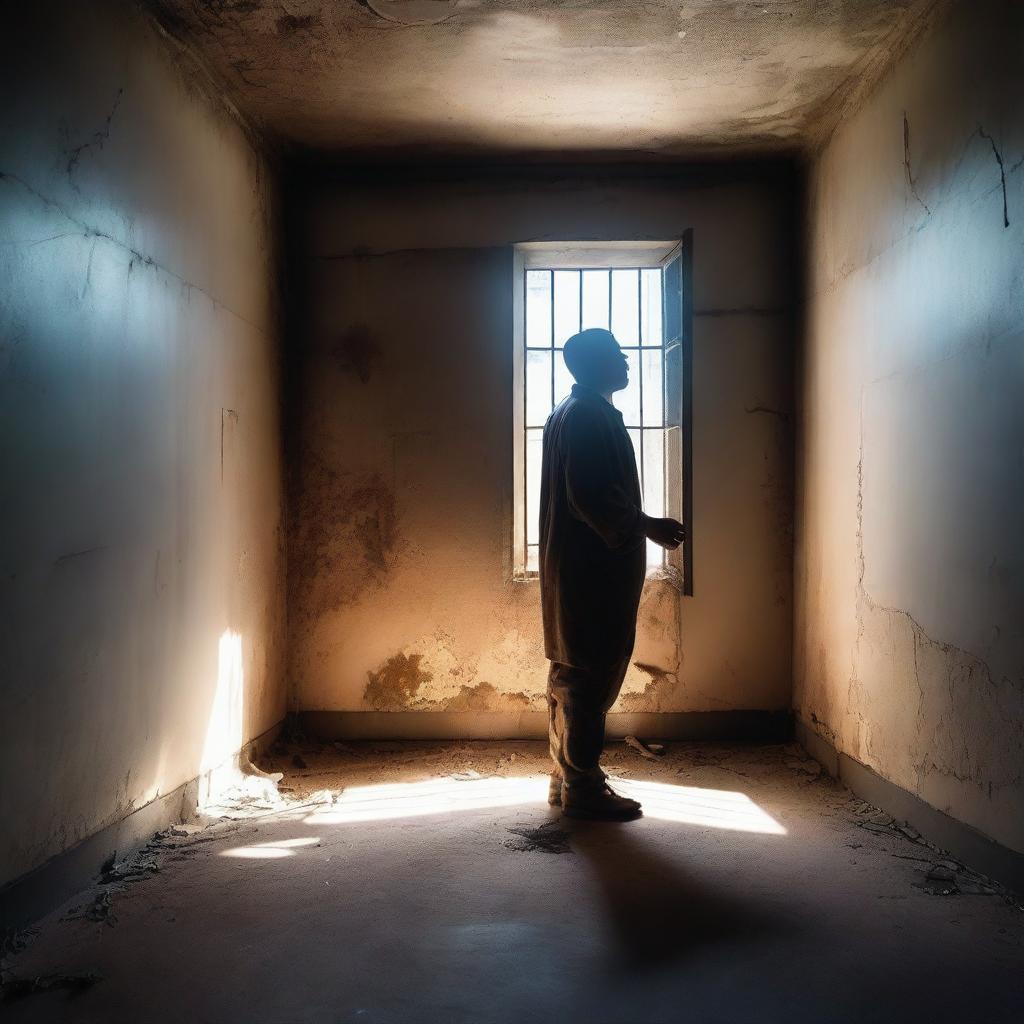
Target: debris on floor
x=185 y=829
x=156 y=912
x=15 y=988
x=245 y=790
x=548 y=837
x=652 y=751
x=100 y=909
x=943 y=876
x=943 y=871
x=137 y=865
x=807 y=766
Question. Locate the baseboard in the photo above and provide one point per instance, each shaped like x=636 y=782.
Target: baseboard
x=964 y=842
x=36 y=893
x=763 y=726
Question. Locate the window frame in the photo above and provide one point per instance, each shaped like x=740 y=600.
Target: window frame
x=557 y=255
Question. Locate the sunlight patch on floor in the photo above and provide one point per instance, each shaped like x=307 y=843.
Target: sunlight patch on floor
x=273 y=850
x=711 y=808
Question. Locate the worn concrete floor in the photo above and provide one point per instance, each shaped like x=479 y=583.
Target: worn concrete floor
x=432 y=883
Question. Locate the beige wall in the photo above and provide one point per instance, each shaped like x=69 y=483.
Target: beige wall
x=910 y=562
x=140 y=554
x=400 y=595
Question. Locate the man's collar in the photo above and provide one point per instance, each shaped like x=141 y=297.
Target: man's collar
x=582 y=392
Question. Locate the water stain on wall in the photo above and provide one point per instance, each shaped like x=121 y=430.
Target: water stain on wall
x=401 y=683
x=357 y=352
x=344 y=537
x=394 y=685
x=487 y=697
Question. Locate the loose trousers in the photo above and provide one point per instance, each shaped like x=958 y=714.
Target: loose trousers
x=578 y=700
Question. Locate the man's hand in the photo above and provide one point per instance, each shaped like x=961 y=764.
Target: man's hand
x=669 y=533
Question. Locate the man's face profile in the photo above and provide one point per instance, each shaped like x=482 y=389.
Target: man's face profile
x=596 y=361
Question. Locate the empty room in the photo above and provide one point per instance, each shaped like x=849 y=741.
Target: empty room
x=511 y=511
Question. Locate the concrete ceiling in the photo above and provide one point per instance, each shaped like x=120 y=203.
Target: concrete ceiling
x=545 y=78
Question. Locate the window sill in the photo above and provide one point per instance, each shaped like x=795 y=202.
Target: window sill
x=655 y=573
x=525 y=576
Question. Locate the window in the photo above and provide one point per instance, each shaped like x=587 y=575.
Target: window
x=634 y=290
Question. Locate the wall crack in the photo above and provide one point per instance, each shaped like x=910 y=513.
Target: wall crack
x=1002 y=171
x=907 y=167
x=87 y=231
x=99 y=137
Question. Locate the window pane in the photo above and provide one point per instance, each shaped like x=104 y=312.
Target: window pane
x=567 y=305
x=634 y=436
x=673 y=283
x=650 y=307
x=651 y=362
x=628 y=400
x=654 y=487
x=538 y=307
x=532 y=559
x=563 y=378
x=654 y=473
x=538 y=387
x=595 y=299
x=626 y=306
x=655 y=555
x=534 y=439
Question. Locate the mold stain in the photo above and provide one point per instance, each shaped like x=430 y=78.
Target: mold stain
x=288 y=24
x=402 y=683
x=395 y=684
x=487 y=697
x=357 y=352
x=344 y=535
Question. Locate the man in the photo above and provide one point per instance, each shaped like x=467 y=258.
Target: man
x=592 y=567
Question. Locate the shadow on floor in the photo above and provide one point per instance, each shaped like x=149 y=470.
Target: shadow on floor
x=658 y=911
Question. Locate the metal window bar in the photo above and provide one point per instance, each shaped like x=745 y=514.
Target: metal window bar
x=642 y=427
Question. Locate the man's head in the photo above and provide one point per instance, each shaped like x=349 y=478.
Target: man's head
x=595 y=360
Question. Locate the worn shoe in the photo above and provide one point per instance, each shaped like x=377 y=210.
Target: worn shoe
x=555 y=790
x=600 y=804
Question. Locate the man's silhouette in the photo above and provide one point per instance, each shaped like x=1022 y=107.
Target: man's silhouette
x=592 y=567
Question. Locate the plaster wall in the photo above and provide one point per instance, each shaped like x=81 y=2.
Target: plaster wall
x=141 y=561
x=909 y=650
x=401 y=595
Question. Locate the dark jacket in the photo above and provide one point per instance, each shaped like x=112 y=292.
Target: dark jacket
x=592 y=548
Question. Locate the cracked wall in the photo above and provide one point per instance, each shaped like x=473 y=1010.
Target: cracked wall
x=403 y=373
x=910 y=569
x=142 y=550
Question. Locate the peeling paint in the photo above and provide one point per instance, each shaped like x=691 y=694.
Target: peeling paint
x=487 y=697
x=909 y=583
x=657 y=695
x=393 y=686
x=434 y=420
x=399 y=684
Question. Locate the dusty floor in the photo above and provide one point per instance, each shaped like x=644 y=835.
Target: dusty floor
x=405 y=882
